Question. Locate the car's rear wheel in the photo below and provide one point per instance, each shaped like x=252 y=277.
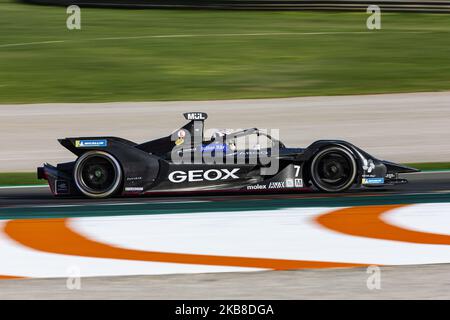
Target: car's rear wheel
x=333 y=169
x=97 y=174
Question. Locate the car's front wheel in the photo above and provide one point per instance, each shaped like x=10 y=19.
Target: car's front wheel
x=333 y=169
x=97 y=174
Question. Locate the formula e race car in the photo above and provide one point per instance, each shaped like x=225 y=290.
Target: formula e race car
x=189 y=160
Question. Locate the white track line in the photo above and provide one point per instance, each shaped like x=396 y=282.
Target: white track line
x=30 y=43
x=429 y=172
x=25 y=187
x=263 y=34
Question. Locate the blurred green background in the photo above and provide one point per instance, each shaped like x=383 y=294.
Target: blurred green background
x=411 y=53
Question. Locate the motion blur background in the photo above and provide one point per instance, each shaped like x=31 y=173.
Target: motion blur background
x=314 y=74
x=143 y=55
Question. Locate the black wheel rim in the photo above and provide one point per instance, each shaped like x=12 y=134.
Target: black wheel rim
x=333 y=170
x=98 y=174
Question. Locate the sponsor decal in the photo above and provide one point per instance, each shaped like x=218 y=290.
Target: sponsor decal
x=134 y=178
x=181 y=134
x=289 y=183
x=277 y=185
x=202 y=175
x=250 y=152
x=299 y=183
x=62 y=187
x=214 y=147
x=372 y=180
x=195 y=116
x=91 y=143
x=257 y=187
x=134 y=189
x=368 y=165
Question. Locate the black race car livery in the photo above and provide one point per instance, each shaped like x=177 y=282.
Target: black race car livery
x=232 y=161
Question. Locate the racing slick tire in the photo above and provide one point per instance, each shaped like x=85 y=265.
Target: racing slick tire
x=97 y=174
x=333 y=169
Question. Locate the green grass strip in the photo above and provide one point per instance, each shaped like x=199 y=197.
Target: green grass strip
x=150 y=55
x=431 y=166
x=19 y=179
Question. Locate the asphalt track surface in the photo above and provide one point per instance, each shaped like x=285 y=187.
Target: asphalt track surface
x=422 y=187
x=398 y=282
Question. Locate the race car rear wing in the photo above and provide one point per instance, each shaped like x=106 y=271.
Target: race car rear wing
x=195 y=116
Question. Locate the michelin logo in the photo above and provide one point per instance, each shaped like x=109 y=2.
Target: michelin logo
x=373 y=181
x=91 y=143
